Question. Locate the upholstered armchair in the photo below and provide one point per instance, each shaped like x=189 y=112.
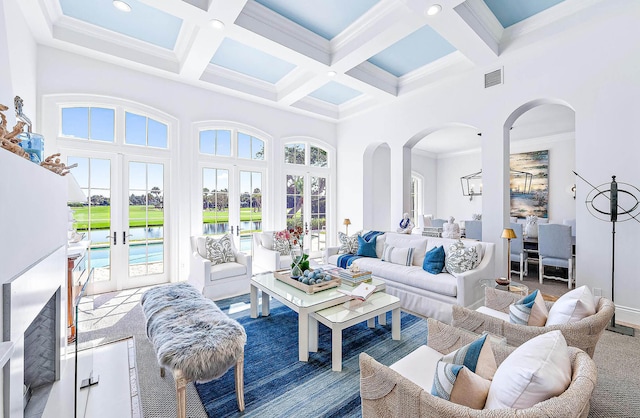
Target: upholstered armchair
x=264 y=254
x=518 y=254
x=402 y=390
x=583 y=333
x=219 y=281
x=473 y=229
x=555 y=249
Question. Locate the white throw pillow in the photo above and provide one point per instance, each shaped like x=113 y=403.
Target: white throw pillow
x=572 y=306
x=266 y=238
x=395 y=255
x=536 y=371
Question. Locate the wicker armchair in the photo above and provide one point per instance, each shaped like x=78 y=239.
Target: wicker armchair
x=583 y=334
x=386 y=393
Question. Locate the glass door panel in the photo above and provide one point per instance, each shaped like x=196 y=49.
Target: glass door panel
x=317 y=229
x=215 y=201
x=145 y=237
x=250 y=208
x=295 y=200
x=93 y=218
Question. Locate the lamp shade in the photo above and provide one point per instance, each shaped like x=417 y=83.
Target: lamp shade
x=347 y=221
x=508 y=233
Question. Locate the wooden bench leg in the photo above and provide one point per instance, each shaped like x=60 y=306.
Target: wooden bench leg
x=181 y=393
x=239 y=374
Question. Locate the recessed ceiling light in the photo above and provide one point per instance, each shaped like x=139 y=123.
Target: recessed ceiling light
x=434 y=9
x=331 y=73
x=122 y=6
x=216 y=24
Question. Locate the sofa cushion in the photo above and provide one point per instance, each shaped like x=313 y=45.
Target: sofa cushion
x=536 y=371
x=220 y=251
x=395 y=255
x=530 y=310
x=223 y=271
x=572 y=306
x=266 y=239
x=458 y=384
x=460 y=258
x=434 y=260
x=446 y=243
x=380 y=241
x=348 y=244
x=366 y=248
x=419 y=366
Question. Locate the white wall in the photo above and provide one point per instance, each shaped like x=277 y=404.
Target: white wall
x=595 y=69
x=67 y=73
x=451 y=202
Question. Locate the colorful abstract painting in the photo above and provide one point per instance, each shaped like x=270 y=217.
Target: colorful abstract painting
x=529 y=193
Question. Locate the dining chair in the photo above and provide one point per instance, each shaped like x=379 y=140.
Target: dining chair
x=518 y=254
x=473 y=230
x=438 y=222
x=572 y=224
x=555 y=249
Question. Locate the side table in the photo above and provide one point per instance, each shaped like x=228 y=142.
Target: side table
x=513 y=287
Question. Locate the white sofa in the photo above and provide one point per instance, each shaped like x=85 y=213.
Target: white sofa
x=420 y=292
x=264 y=254
x=222 y=280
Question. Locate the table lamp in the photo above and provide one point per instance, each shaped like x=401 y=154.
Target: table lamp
x=508 y=234
x=347 y=222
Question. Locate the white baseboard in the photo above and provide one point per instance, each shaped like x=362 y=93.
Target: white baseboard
x=628 y=315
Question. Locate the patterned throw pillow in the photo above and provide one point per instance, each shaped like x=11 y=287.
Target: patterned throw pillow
x=281 y=245
x=460 y=258
x=458 y=384
x=220 y=251
x=348 y=244
x=477 y=356
x=530 y=310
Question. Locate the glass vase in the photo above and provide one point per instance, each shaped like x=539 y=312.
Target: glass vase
x=296 y=259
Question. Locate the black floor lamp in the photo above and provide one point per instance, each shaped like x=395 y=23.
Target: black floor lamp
x=604 y=204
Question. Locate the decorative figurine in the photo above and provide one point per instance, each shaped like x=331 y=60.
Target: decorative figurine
x=451 y=229
x=405 y=225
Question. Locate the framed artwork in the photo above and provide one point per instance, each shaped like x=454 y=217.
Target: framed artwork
x=529 y=184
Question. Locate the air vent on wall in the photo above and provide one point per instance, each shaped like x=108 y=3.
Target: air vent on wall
x=493 y=78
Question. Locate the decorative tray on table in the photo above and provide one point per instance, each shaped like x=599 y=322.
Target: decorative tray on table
x=285 y=276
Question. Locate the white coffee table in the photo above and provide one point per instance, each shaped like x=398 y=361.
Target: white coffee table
x=300 y=302
x=338 y=318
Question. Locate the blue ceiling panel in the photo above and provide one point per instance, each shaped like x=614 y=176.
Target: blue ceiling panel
x=244 y=59
x=335 y=93
x=143 y=22
x=412 y=52
x=326 y=18
x=510 y=12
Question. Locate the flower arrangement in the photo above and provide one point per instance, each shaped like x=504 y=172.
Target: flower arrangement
x=295 y=236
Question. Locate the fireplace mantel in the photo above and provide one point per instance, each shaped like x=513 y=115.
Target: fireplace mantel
x=33 y=239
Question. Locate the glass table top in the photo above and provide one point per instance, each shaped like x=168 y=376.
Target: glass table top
x=300 y=298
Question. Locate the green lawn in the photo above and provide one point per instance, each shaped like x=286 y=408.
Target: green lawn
x=101 y=216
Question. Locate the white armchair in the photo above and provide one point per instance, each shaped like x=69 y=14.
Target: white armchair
x=265 y=256
x=221 y=280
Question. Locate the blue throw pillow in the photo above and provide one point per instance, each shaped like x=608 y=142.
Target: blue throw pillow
x=366 y=248
x=434 y=260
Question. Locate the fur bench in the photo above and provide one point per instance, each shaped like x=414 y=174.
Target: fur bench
x=193 y=338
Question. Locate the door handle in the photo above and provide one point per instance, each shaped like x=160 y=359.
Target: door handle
x=231 y=229
x=237 y=230
x=114 y=238
x=124 y=236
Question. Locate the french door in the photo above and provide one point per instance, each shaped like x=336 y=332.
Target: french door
x=232 y=202
x=306 y=206
x=125 y=217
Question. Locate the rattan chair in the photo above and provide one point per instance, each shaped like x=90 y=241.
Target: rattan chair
x=386 y=393
x=583 y=334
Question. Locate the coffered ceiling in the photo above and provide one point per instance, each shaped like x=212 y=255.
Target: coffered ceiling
x=328 y=58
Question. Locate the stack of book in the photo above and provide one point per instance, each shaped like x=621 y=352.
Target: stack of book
x=352 y=279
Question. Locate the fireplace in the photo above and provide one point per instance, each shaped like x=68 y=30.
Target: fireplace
x=33 y=322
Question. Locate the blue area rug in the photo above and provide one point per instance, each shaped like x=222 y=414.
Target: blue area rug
x=276 y=384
